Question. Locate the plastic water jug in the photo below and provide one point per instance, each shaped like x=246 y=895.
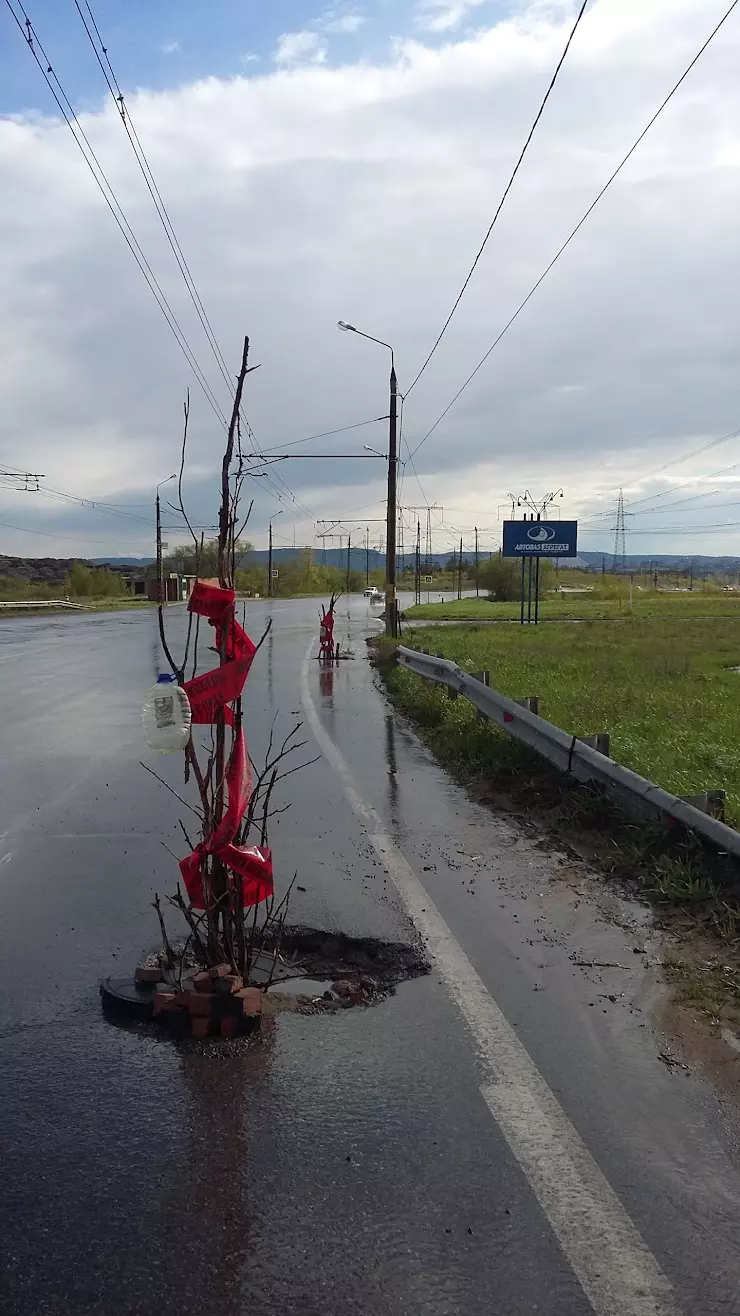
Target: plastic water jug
x=166 y=716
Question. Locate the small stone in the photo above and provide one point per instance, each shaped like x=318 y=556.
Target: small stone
x=342 y=987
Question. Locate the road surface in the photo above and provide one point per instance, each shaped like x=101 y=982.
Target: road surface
x=499 y=1137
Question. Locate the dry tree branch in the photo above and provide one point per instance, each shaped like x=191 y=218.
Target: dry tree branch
x=167 y=786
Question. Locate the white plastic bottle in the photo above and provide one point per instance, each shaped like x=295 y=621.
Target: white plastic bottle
x=166 y=716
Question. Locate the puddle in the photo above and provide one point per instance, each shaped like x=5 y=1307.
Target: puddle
x=301 y=987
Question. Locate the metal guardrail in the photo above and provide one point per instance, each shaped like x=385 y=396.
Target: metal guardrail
x=569 y=754
x=42 y=603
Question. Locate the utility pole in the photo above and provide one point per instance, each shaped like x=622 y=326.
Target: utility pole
x=476 y=562
x=417 y=572
x=459 y=571
x=391 y=618
x=269 y=566
x=391 y=610
x=349 y=559
x=367 y=555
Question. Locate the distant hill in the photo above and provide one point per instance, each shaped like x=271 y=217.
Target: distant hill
x=43 y=570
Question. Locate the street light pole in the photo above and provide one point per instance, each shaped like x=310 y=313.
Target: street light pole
x=159 y=538
x=391 y=610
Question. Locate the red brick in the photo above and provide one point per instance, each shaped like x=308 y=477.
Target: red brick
x=251 y=999
x=229 y=1026
x=200 y=1005
x=236 y=981
x=200 y=1027
x=163 y=1001
x=202 y=981
x=220 y=971
x=145 y=973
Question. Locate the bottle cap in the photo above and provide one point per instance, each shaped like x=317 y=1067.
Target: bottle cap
x=165 y=678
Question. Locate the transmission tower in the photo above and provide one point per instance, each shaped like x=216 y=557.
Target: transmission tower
x=619 y=562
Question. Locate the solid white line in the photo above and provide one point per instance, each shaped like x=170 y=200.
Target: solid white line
x=617 y=1272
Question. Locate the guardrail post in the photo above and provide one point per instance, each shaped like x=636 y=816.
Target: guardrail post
x=530 y=702
x=601 y=742
x=711 y=802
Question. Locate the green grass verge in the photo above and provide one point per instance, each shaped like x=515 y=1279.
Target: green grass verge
x=660 y=686
x=561 y=607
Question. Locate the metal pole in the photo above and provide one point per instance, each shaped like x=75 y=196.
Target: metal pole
x=269 y=566
x=459 y=571
x=159 y=553
x=391 y=623
x=529 y=591
x=349 y=553
x=417 y=582
x=521 y=608
x=367 y=555
x=537 y=592
x=476 y=562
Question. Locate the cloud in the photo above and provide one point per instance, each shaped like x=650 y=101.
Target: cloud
x=249 y=58
x=171 y=48
x=342 y=24
x=300 y=48
x=444 y=15
x=362 y=192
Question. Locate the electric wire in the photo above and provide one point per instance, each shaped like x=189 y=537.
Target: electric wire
x=580 y=223
x=507 y=190
x=274 y=479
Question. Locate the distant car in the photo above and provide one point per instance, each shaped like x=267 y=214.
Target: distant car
x=374 y=594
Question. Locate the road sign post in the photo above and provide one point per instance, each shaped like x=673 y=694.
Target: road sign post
x=532 y=541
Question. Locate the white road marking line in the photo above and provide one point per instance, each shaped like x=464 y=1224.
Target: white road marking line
x=616 y=1269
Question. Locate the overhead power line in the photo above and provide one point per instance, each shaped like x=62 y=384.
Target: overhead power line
x=580 y=223
x=502 y=202
x=101 y=54
x=65 y=108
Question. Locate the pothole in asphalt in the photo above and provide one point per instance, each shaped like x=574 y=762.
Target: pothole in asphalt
x=311 y=971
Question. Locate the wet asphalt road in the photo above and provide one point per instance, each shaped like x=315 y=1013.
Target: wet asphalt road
x=338 y=1164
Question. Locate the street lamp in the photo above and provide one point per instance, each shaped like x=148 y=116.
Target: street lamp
x=269 y=555
x=159 y=536
x=391 y=612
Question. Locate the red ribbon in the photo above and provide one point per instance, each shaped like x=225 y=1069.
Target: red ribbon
x=210 y=695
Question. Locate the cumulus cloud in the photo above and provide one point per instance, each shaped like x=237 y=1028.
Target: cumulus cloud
x=444 y=15
x=300 y=48
x=362 y=192
x=342 y=24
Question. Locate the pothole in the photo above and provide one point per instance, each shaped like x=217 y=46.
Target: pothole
x=311 y=971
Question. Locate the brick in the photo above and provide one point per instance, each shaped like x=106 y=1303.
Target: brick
x=236 y=981
x=202 y=981
x=200 y=1027
x=164 y=1001
x=251 y=1000
x=229 y=1026
x=144 y=973
x=220 y=971
x=200 y=1005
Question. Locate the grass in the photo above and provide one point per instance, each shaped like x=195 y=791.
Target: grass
x=661 y=686
x=597 y=606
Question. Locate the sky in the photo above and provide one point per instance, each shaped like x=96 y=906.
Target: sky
x=344 y=163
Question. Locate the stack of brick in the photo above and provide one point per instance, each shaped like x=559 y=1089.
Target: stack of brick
x=215 y=1004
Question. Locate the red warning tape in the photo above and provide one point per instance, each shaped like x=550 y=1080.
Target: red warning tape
x=209 y=695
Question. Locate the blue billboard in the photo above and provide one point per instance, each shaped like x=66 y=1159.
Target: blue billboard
x=540 y=539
